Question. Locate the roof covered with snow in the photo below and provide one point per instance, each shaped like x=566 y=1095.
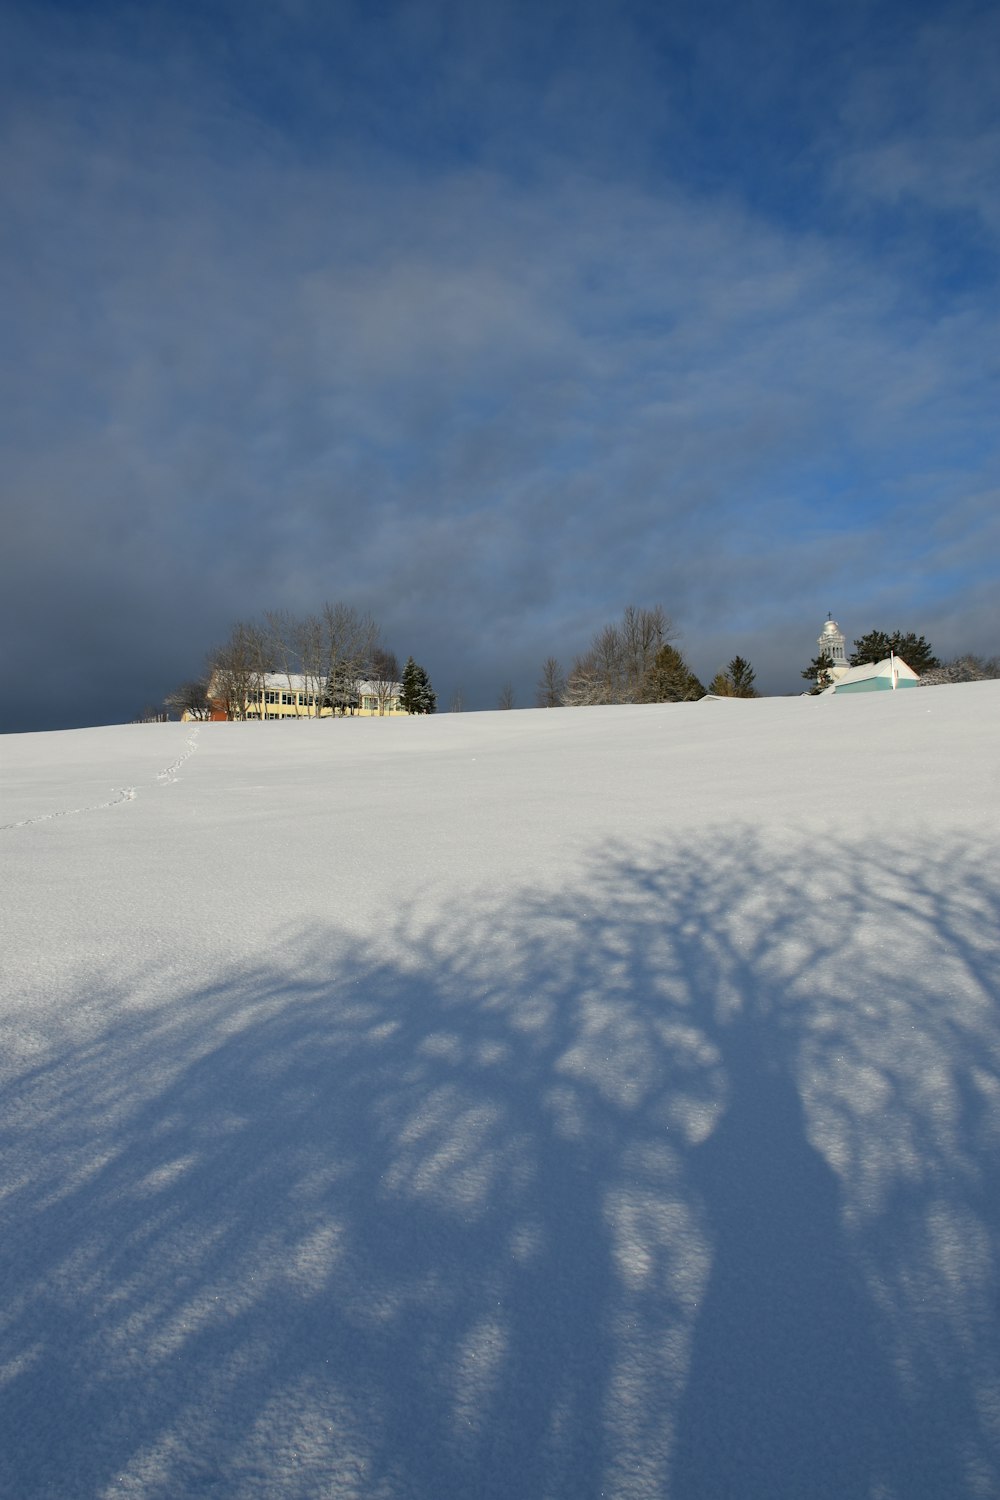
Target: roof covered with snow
x=889 y=666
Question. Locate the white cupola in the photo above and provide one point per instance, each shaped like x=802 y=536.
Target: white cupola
x=831 y=640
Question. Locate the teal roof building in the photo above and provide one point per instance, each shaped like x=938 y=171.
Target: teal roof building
x=876 y=677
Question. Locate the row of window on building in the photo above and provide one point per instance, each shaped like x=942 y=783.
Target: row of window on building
x=291 y=700
x=309 y=700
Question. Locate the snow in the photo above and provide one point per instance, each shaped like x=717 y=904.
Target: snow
x=557 y=1103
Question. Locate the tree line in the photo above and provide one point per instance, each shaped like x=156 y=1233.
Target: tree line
x=634 y=660
x=631 y=660
x=322 y=658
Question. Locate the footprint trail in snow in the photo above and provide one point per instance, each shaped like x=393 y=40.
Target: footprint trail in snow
x=166 y=777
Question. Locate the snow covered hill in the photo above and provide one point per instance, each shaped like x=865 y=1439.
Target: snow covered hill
x=563 y=1104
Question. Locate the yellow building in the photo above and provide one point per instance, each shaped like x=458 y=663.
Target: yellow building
x=281 y=695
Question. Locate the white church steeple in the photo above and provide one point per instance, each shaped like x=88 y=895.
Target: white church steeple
x=831 y=640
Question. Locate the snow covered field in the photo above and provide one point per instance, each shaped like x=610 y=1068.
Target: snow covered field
x=556 y=1104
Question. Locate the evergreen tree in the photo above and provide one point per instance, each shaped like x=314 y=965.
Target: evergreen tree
x=416 y=694
x=736 y=681
x=670 y=679
x=427 y=695
x=876 y=645
x=871 y=647
x=409 y=693
x=818 y=671
x=742 y=676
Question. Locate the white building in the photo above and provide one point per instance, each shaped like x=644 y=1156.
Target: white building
x=876 y=677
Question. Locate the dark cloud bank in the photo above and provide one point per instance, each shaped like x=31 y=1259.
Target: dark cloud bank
x=492 y=328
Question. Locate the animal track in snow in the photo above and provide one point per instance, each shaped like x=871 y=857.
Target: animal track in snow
x=166 y=777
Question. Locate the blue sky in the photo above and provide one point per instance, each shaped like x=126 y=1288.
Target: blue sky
x=493 y=319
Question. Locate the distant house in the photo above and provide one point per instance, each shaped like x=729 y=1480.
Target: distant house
x=875 y=677
x=292 y=696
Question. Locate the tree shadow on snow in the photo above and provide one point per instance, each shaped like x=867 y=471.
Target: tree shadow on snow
x=678 y=1183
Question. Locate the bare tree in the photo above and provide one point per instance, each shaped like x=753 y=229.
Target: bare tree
x=609 y=661
x=963 y=669
x=585 y=685
x=309 y=650
x=238 y=668
x=384 y=677
x=598 y=675
x=457 y=701
x=348 y=643
x=281 y=632
x=641 y=633
x=190 y=698
x=551 y=684
x=621 y=655
x=506 y=698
